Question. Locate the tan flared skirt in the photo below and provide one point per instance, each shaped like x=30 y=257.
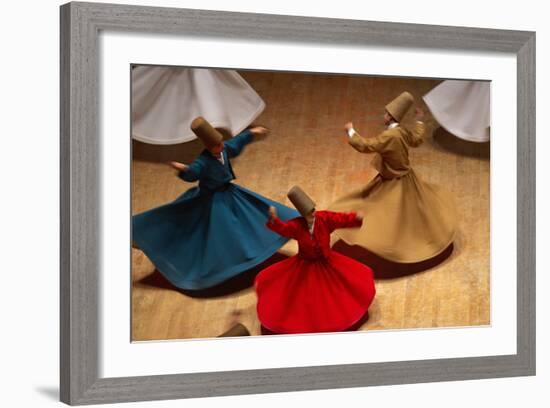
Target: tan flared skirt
x=405 y=220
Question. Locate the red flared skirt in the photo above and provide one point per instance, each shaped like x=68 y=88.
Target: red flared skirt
x=301 y=295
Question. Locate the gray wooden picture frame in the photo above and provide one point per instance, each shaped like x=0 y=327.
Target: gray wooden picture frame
x=80 y=192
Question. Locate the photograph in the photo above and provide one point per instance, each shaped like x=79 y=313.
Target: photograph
x=290 y=203
x=275 y=204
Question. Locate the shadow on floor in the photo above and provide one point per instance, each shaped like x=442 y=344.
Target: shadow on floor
x=446 y=141
x=240 y=282
x=384 y=269
x=359 y=323
x=356 y=326
x=181 y=152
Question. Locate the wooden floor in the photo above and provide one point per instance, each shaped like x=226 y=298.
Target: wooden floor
x=307 y=146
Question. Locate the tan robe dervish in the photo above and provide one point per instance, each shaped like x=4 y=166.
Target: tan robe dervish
x=406 y=220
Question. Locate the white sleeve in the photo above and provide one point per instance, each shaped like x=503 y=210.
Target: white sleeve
x=351 y=132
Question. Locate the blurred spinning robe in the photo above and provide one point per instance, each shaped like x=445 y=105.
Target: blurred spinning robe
x=165 y=100
x=317 y=290
x=212 y=232
x=406 y=220
x=462 y=108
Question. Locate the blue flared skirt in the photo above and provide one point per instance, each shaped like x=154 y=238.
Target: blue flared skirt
x=206 y=237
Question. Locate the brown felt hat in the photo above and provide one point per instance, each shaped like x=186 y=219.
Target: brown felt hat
x=301 y=200
x=205 y=132
x=400 y=106
x=237 y=330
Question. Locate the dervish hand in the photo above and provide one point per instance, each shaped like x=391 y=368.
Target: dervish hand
x=259 y=131
x=179 y=166
x=359 y=216
x=272 y=212
x=419 y=114
x=348 y=126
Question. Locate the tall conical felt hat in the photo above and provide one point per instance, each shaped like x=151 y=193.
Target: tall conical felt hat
x=205 y=132
x=237 y=330
x=400 y=106
x=301 y=200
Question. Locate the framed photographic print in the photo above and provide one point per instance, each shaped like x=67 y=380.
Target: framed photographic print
x=259 y=203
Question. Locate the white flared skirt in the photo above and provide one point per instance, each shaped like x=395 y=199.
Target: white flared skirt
x=165 y=100
x=462 y=108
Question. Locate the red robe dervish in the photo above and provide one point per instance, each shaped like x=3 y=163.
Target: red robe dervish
x=317 y=290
